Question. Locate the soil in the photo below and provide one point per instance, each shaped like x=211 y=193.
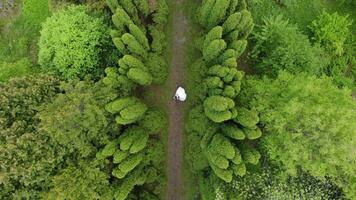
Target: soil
x=176 y=109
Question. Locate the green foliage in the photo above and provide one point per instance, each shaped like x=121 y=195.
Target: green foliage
x=247 y=118
x=17 y=69
x=28 y=157
x=35 y=12
x=213 y=49
x=77 y=119
x=310 y=124
x=252 y=133
x=233 y=131
x=331 y=31
x=153 y=121
x=83 y=182
x=130 y=109
x=158 y=68
x=219 y=108
x=281 y=46
x=71 y=43
x=266 y=184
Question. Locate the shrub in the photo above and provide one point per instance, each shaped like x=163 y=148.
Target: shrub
x=71 y=43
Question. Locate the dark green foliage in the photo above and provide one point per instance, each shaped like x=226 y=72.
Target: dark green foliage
x=77 y=119
x=153 y=121
x=71 y=43
x=28 y=157
x=281 y=46
x=226 y=25
x=307 y=117
x=158 y=68
x=266 y=184
x=84 y=182
x=121 y=83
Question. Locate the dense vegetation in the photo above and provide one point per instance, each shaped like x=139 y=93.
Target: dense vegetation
x=288 y=133
x=271 y=104
x=72 y=132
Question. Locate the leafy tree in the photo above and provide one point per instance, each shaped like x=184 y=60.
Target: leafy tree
x=331 y=31
x=72 y=42
x=28 y=157
x=310 y=124
x=280 y=45
x=213 y=12
x=266 y=184
x=140 y=76
x=76 y=118
x=233 y=131
x=85 y=181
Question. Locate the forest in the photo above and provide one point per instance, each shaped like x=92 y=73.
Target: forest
x=86 y=108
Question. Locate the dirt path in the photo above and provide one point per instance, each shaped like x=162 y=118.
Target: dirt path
x=176 y=115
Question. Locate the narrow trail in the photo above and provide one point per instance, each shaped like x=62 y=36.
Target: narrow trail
x=176 y=109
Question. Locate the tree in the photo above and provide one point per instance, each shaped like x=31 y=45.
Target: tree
x=309 y=123
x=247 y=118
x=219 y=108
x=76 y=118
x=331 y=31
x=281 y=46
x=130 y=109
x=28 y=156
x=85 y=181
x=72 y=42
x=214 y=49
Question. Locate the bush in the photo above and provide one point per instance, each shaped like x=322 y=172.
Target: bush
x=71 y=43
